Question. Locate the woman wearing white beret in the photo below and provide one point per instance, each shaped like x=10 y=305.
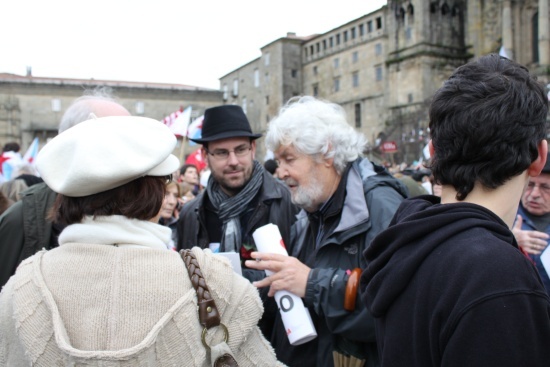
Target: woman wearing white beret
x=111 y=293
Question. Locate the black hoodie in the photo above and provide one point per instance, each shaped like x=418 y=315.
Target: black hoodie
x=448 y=286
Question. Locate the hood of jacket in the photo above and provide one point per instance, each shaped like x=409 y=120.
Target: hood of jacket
x=420 y=225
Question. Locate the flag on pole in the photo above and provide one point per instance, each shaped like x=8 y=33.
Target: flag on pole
x=179 y=125
x=178 y=121
x=32 y=152
x=194 y=131
x=196 y=159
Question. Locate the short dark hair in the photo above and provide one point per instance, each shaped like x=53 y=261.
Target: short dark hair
x=11 y=147
x=271 y=165
x=139 y=199
x=486 y=123
x=186 y=166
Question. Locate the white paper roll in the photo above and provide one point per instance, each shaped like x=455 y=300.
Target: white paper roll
x=268 y=239
x=296 y=318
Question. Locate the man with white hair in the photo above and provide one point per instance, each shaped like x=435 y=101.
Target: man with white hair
x=24 y=229
x=346 y=201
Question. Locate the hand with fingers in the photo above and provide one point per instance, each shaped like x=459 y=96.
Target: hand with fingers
x=532 y=242
x=288 y=273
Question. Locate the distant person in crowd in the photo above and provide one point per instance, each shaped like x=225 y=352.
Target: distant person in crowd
x=5 y=203
x=29 y=179
x=532 y=226
x=240 y=196
x=414 y=188
x=271 y=166
x=111 y=293
x=346 y=200
x=446 y=282
x=169 y=212
x=12 y=189
x=189 y=174
x=24 y=229
x=186 y=191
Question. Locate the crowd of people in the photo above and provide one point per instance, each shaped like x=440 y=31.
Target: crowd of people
x=112 y=261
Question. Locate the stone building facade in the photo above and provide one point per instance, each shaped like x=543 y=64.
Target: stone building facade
x=32 y=107
x=383 y=67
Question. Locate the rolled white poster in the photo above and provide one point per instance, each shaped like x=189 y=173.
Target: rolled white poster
x=296 y=318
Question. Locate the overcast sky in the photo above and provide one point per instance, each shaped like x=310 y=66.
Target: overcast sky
x=167 y=41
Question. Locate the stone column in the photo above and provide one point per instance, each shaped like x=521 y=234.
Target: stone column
x=507 y=38
x=544 y=33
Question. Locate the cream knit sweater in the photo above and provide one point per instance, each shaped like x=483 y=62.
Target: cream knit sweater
x=91 y=303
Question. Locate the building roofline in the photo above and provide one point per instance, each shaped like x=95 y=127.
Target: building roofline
x=14 y=78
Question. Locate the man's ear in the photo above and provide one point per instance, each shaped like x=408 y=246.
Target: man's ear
x=431 y=148
x=538 y=164
x=204 y=154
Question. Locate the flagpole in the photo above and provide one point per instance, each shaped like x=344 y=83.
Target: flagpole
x=182 y=150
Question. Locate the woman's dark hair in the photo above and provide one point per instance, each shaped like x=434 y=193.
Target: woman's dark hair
x=138 y=199
x=486 y=123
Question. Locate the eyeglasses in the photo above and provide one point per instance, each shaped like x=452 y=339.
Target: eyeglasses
x=543 y=188
x=223 y=154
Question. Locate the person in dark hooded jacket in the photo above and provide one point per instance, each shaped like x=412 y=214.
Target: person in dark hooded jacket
x=346 y=200
x=446 y=282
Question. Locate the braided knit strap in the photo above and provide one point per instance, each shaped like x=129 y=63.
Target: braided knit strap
x=208 y=312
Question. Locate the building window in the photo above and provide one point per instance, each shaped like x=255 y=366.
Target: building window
x=336 y=84
x=331 y=42
x=355 y=56
x=345 y=36
x=267 y=100
x=355 y=79
x=357 y=110
x=379 y=23
x=266 y=59
x=294 y=73
x=318 y=47
x=311 y=49
x=235 y=87
x=140 y=108
x=378 y=73
x=361 y=29
x=225 y=92
x=244 y=104
x=408 y=33
x=337 y=39
x=336 y=63
x=353 y=33
x=315 y=90
x=369 y=26
x=256 y=78
x=378 y=49
x=315 y=70
x=56 y=105
x=324 y=45
x=410 y=97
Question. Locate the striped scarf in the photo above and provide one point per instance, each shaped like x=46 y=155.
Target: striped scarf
x=229 y=208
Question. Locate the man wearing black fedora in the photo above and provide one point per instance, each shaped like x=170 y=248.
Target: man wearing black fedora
x=240 y=197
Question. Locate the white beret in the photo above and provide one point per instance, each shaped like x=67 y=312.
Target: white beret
x=104 y=153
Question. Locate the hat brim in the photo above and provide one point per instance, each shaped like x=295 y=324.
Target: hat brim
x=226 y=135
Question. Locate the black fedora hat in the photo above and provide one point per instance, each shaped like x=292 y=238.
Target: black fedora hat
x=227 y=121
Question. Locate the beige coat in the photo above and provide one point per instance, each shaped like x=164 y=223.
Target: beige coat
x=98 y=305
